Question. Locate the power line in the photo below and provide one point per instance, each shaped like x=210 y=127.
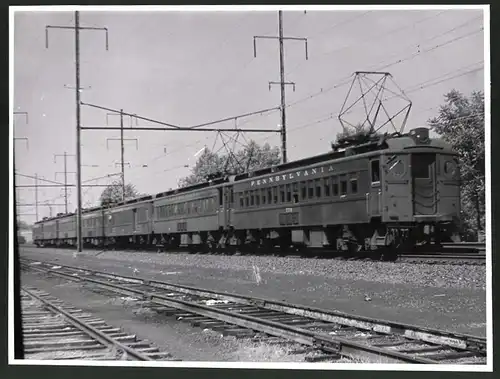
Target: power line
x=346 y=80
x=65 y=156
x=421 y=87
x=370 y=38
x=410 y=57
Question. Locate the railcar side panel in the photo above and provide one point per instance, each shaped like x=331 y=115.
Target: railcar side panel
x=92 y=225
x=50 y=231
x=327 y=194
x=67 y=229
x=188 y=214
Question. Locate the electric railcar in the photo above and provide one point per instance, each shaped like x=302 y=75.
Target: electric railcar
x=384 y=194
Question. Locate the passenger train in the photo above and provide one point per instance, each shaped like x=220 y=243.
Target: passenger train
x=382 y=195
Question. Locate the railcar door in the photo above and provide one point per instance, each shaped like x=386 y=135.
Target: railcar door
x=221 y=207
x=374 y=196
x=228 y=201
x=397 y=182
x=134 y=220
x=423 y=168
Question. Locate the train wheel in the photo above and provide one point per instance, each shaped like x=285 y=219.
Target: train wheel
x=390 y=254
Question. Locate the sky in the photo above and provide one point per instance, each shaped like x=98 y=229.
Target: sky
x=187 y=68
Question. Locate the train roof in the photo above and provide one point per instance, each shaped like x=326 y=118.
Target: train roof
x=350 y=146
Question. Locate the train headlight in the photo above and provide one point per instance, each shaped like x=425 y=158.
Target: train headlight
x=420 y=135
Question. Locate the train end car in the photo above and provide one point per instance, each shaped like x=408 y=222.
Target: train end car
x=417 y=198
x=38 y=234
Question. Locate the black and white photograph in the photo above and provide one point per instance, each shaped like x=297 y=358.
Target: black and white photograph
x=288 y=187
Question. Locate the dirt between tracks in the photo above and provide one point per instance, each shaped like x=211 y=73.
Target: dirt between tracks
x=445 y=297
x=180 y=339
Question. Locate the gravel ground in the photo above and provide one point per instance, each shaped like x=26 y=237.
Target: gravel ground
x=450 y=297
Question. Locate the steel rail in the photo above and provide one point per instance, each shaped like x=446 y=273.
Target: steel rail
x=96 y=334
x=332 y=344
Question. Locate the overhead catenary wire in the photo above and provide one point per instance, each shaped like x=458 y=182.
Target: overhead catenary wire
x=370 y=38
x=348 y=77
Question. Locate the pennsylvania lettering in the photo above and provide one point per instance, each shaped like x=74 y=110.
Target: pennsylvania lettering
x=291 y=176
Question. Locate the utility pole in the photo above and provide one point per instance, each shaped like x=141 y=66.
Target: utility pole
x=78 y=143
x=282 y=81
x=77 y=28
x=65 y=172
x=122 y=154
x=65 y=184
x=122 y=145
x=36 y=197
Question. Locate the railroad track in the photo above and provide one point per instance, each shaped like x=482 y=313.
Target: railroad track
x=326 y=335
x=461 y=253
x=444 y=258
x=54 y=330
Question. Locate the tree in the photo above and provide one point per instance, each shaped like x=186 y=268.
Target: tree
x=356 y=130
x=211 y=165
x=114 y=193
x=460 y=122
x=21 y=225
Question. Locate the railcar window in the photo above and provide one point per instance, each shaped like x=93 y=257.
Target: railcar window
x=354 y=185
x=282 y=194
x=295 y=188
x=252 y=198
x=257 y=197
x=326 y=182
x=303 y=190
x=263 y=196
x=288 y=193
x=421 y=166
x=275 y=195
x=310 y=189
x=269 y=195
x=375 y=166
x=242 y=200
x=318 y=188
x=343 y=187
